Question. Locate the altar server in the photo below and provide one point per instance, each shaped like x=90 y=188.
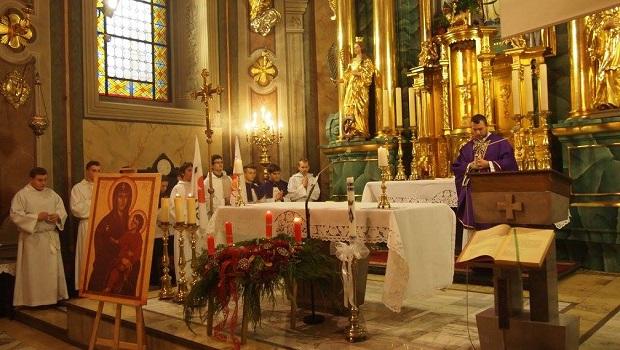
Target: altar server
x=222 y=184
x=300 y=183
x=38 y=213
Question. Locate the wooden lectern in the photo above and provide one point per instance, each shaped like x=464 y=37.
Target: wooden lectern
x=534 y=199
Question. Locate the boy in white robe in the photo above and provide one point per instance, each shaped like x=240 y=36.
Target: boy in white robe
x=81 y=195
x=300 y=183
x=222 y=184
x=38 y=213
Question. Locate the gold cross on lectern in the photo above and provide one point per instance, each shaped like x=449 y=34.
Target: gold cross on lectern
x=206 y=94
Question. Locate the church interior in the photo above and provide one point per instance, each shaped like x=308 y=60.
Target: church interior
x=439 y=174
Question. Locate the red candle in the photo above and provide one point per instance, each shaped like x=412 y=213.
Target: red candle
x=268 y=224
x=297 y=229
x=229 y=236
x=211 y=244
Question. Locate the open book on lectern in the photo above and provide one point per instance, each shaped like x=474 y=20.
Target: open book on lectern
x=509 y=245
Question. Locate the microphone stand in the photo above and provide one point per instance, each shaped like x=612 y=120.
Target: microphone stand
x=312 y=318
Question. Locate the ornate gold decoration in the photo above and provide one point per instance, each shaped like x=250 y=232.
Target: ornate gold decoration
x=515 y=42
x=262 y=16
x=15 y=89
x=263 y=71
x=16 y=29
x=166 y=291
x=458 y=20
x=429 y=55
x=603 y=46
x=332 y=6
x=263 y=133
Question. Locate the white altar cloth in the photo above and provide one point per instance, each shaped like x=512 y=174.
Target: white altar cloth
x=420 y=237
x=441 y=190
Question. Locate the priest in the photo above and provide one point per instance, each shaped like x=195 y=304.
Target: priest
x=486 y=152
x=81 y=195
x=38 y=213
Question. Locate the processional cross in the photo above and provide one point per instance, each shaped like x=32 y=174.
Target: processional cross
x=206 y=93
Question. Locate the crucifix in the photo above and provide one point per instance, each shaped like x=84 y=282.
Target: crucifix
x=206 y=93
x=509 y=206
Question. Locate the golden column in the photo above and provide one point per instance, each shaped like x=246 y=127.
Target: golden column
x=580 y=88
x=345 y=32
x=385 y=64
x=486 y=57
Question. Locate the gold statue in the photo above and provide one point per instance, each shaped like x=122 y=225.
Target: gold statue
x=603 y=42
x=263 y=17
x=357 y=79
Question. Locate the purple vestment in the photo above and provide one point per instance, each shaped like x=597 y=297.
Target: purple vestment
x=500 y=152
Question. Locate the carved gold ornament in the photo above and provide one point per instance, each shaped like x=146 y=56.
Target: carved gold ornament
x=263 y=17
x=429 y=55
x=516 y=42
x=15 y=89
x=263 y=71
x=16 y=30
x=332 y=6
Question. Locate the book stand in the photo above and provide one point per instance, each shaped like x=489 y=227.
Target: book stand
x=534 y=199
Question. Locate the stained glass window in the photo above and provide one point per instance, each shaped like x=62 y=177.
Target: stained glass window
x=132 y=50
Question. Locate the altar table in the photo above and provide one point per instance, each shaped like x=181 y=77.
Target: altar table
x=441 y=190
x=420 y=237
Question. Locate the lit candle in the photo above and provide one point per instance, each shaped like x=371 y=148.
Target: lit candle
x=297 y=229
x=179 y=208
x=238 y=166
x=516 y=92
x=191 y=210
x=211 y=245
x=385 y=112
x=351 y=203
x=268 y=224
x=229 y=233
x=164 y=211
x=529 y=91
x=542 y=87
x=412 y=114
x=399 y=107
x=382 y=156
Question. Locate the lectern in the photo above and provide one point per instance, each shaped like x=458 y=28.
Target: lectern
x=534 y=199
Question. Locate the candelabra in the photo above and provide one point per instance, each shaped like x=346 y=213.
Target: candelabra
x=263 y=134
x=166 y=291
x=414 y=165
x=400 y=168
x=383 y=199
x=545 y=160
x=182 y=290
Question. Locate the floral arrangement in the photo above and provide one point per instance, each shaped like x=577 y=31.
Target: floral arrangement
x=252 y=270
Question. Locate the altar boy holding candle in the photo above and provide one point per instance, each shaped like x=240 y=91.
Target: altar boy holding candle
x=179 y=213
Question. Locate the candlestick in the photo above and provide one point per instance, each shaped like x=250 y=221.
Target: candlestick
x=399 y=108
x=164 y=211
x=268 y=224
x=191 y=210
x=229 y=233
x=182 y=290
x=383 y=200
x=166 y=291
x=400 y=168
x=382 y=156
x=412 y=114
x=192 y=228
x=179 y=209
x=542 y=88
x=211 y=245
x=529 y=91
x=297 y=229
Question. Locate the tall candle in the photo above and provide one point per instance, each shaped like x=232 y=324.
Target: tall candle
x=412 y=114
x=351 y=204
x=238 y=166
x=211 y=245
x=382 y=156
x=164 y=211
x=399 y=107
x=297 y=229
x=516 y=92
x=385 y=112
x=191 y=210
x=179 y=208
x=542 y=87
x=268 y=224
x=229 y=233
x=529 y=91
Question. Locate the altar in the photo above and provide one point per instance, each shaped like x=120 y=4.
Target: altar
x=441 y=190
x=420 y=237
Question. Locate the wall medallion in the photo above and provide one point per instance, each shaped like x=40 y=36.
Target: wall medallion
x=16 y=30
x=263 y=71
x=15 y=89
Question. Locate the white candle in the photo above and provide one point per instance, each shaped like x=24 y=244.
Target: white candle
x=179 y=208
x=164 y=211
x=412 y=114
x=382 y=156
x=529 y=91
x=399 y=107
x=385 y=113
x=351 y=203
x=516 y=92
x=191 y=210
x=238 y=166
x=542 y=87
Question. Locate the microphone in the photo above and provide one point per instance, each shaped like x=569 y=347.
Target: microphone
x=316 y=180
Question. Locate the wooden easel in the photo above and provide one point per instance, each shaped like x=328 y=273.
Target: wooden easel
x=115 y=343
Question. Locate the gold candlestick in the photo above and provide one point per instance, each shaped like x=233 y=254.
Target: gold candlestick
x=400 y=168
x=182 y=291
x=414 y=160
x=545 y=161
x=192 y=228
x=166 y=291
x=356 y=331
x=383 y=200
x=518 y=141
x=530 y=149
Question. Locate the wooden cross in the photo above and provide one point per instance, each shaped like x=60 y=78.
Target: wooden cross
x=206 y=93
x=509 y=206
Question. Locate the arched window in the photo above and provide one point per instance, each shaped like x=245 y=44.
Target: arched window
x=132 y=51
